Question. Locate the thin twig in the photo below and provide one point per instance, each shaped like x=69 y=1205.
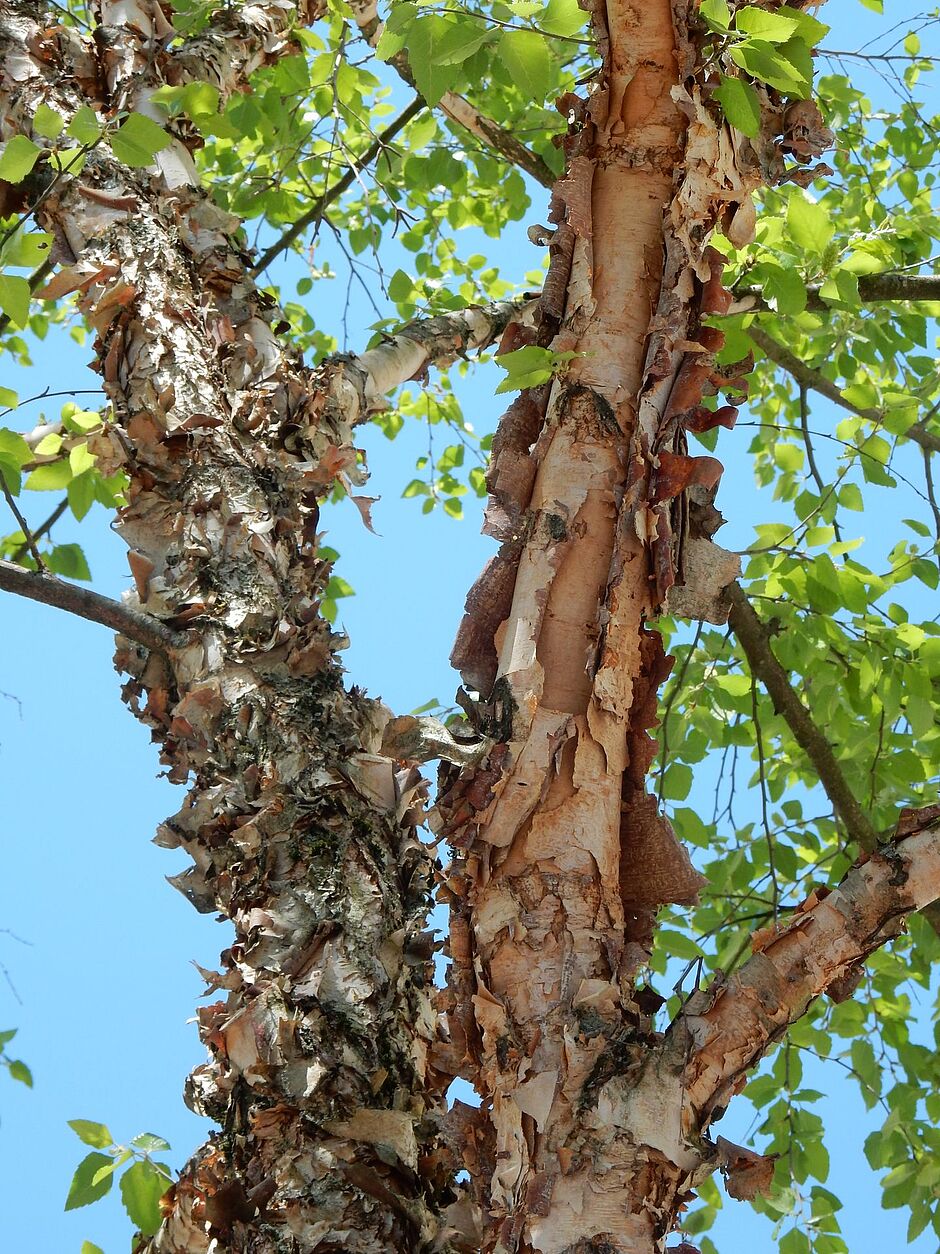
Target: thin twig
x=28 y=538
x=44 y=528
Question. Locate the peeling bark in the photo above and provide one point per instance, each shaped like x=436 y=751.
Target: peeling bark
x=561 y=855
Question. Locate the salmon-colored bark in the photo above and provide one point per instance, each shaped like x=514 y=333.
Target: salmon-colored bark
x=561 y=855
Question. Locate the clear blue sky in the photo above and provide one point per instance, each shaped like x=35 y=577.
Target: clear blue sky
x=99 y=948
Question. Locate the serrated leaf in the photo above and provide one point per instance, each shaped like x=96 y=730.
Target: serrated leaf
x=740 y=104
x=563 y=17
x=18 y=158
x=27 y=248
x=716 y=13
x=400 y=286
x=775 y=28
x=138 y=140
x=50 y=477
x=525 y=55
x=84 y=127
x=809 y=225
x=771 y=64
x=96 y=1134
x=47 y=122
x=150 y=1143
x=81 y=495
x=81 y=1191
x=81 y=458
x=142 y=1186
x=13 y=445
x=69 y=561
x=14 y=299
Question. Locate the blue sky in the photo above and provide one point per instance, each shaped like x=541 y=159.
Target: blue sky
x=98 y=948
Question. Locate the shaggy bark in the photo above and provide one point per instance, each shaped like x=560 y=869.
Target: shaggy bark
x=301 y=829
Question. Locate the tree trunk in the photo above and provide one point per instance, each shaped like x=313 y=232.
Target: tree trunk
x=562 y=856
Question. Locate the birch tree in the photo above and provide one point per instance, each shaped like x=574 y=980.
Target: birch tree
x=674 y=147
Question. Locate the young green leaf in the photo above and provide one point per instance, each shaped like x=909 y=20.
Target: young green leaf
x=14 y=298
x=18 y=158
x=95 y=1134
x=525 y=55
x=81 y=1191
x=809 y=224
x=142 y=1186
x=138 y=140
x=84 y=127
x=740 y=104
x=47 y=122
x=20 y=1071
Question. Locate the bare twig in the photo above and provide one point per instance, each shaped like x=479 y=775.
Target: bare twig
x=37 y=586
x=29 y=539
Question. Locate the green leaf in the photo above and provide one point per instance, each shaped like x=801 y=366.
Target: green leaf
x=461 y=40
x=7 y=1036
x=47 y=122
x=68 y=560
x=400 y=287
x=740 y=105
x=677 y=781
x=20 y=1071
x=14 y=299
x=18 y=158
x=81 y=1191
x=716 y=14
x=89 y=1247
x=526 y=57
x=149 y=1142
x=809 y=224
x=81 y=494
x=773 y=64
x=563 y=17
x=28 y=249
x=775 y=28
x=91 y=1133
x=13 y=445
x=138 y=140
x=50 y=477
x=431 y=78
x=85 y=127
x=142 y=1186
x=81 y=459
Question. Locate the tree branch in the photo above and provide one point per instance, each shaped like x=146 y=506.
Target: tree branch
x=455 y=107
x=433 y=342
x=34 y=585
x=322 y=203
x=755 y=641
x=809 y=377
x=872 y=288
x=724 y=1030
